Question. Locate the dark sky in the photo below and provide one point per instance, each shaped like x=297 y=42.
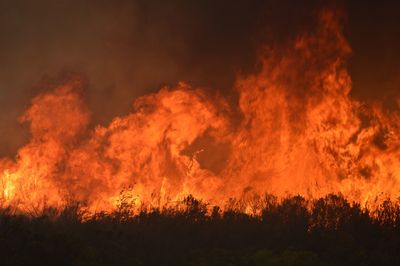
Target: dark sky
x=125 y=49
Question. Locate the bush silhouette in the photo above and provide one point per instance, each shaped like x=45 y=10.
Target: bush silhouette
x=259 y=231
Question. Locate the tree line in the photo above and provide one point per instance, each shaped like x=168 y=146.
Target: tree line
x=265 y=231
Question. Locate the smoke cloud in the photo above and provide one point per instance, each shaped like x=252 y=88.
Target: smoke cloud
x=126 y=49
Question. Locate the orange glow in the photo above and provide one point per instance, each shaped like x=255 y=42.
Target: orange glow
x=298 y=132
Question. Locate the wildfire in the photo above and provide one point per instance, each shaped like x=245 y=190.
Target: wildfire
x=299 y=132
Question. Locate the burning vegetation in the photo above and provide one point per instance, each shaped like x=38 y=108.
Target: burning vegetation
x=294 y=171
x=293 y=131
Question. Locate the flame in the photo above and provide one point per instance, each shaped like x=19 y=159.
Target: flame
x=298 y=132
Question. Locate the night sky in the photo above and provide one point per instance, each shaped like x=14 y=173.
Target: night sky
x=124 y=49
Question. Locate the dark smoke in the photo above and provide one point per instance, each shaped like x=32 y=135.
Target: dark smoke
x=125 y=49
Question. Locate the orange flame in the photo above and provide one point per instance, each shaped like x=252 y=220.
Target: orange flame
x=299 y=133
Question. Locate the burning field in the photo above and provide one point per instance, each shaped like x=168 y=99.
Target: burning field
x=294 y=130
x=286 y=168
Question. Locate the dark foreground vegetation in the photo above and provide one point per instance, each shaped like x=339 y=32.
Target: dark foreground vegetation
x=328 y=231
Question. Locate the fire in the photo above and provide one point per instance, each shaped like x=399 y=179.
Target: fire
x=298 y=132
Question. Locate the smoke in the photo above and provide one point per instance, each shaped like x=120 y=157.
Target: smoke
x=126 y=49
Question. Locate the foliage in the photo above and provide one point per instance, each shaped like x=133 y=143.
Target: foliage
x=294 y=231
